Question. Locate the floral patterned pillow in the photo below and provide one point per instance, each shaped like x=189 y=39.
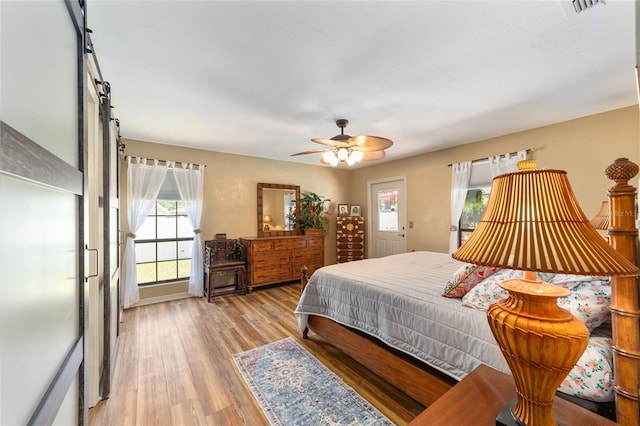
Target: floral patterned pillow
x=592 y=376
x=465 y=278
x=488 y=291
x=589 y=299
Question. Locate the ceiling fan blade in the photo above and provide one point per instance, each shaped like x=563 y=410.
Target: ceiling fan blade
x=312 y=151
x=331 y=142
x=373 y=155
x=370 y=143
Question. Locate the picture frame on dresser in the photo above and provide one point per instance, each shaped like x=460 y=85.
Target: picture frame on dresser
x=355 y=210
x=343 y=210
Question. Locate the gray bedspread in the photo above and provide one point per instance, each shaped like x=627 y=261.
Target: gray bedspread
x=398 y=300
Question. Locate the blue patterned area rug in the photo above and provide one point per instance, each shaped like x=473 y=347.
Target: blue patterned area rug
x=294 y=388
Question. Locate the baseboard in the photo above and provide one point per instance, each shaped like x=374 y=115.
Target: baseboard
x=160 y=299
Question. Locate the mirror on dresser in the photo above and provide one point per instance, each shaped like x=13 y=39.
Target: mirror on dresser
x=276 y=203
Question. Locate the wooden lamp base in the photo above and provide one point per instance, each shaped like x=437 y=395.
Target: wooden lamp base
x=540 y=341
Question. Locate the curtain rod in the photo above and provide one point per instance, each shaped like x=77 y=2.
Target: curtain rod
x=164 y=161
x=486 y=158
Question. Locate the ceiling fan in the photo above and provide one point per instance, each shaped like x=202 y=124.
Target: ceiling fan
x=349 y=149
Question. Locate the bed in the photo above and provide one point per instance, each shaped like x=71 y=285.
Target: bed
x=390 y=315
x=449 y=334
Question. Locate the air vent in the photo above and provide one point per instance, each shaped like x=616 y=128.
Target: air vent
x=582 y=5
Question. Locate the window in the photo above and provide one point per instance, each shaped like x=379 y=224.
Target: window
x=476 y=200
x=388 y=210
x=474 y=206
x=480 y=183
x=164 y=242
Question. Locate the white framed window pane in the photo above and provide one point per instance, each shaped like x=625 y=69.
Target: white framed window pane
x=166 y=227
x=145 y=252
x=388 y=210
x=184 y=268
x=184 y=249
x=167 y=250
x=148 y=229
x=185 y=230
x=474 y=205
x=146 y=272
x=167 y=270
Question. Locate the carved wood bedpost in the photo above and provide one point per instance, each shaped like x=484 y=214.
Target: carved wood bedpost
x=625 y=295
x=304 y=279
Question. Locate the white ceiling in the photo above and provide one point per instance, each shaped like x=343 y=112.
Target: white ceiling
x=262 y=78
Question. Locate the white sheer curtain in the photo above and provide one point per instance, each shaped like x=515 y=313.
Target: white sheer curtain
x=143 y=184
x=460 y=174
x=506 y=163
x=190 y=183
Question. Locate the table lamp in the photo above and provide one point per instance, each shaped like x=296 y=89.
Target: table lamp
x=533 y=223
x=267 y=221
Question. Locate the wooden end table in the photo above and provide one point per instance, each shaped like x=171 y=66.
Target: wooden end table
x=479 y=397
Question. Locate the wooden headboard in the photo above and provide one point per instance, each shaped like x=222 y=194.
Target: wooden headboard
x=625 y=294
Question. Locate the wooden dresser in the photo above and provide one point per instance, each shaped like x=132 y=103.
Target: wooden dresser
x=279 y=259
x=350 y=238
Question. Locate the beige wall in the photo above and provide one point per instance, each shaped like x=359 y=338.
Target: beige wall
x=583 y=147
x=230 y=192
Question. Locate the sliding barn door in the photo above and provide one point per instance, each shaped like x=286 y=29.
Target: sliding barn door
x=42 y=214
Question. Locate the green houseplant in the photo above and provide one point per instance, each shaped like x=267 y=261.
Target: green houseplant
x=312 y=213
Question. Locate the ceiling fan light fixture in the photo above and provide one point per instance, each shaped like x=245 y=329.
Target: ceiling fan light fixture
x=356 y=155
x=343 y=154
x=349 y=149
x=328 y=157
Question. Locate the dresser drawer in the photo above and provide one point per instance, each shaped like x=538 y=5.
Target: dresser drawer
x=316 y=243
x=272 y=257
x=261 y=246
x=268 y=276
x=296 y=244
x=349 y=239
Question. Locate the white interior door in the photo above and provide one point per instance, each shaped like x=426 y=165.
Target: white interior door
x=387 y=217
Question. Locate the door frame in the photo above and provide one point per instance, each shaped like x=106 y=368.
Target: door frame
x=372 y=209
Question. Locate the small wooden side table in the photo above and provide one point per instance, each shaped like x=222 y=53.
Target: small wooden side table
x=479 y=397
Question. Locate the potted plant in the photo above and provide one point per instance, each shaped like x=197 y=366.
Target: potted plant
x=312 y=217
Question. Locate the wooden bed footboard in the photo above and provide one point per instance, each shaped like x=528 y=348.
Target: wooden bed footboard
x=419 y=381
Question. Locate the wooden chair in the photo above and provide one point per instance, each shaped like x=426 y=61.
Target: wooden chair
x=223 y=256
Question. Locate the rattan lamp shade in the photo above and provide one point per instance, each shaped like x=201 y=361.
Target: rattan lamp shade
x=601 y=219
x=533 y=222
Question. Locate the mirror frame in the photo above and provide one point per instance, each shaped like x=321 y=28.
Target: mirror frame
x=278 y=233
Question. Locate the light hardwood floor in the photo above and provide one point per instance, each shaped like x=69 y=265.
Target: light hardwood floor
x=174 y=364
